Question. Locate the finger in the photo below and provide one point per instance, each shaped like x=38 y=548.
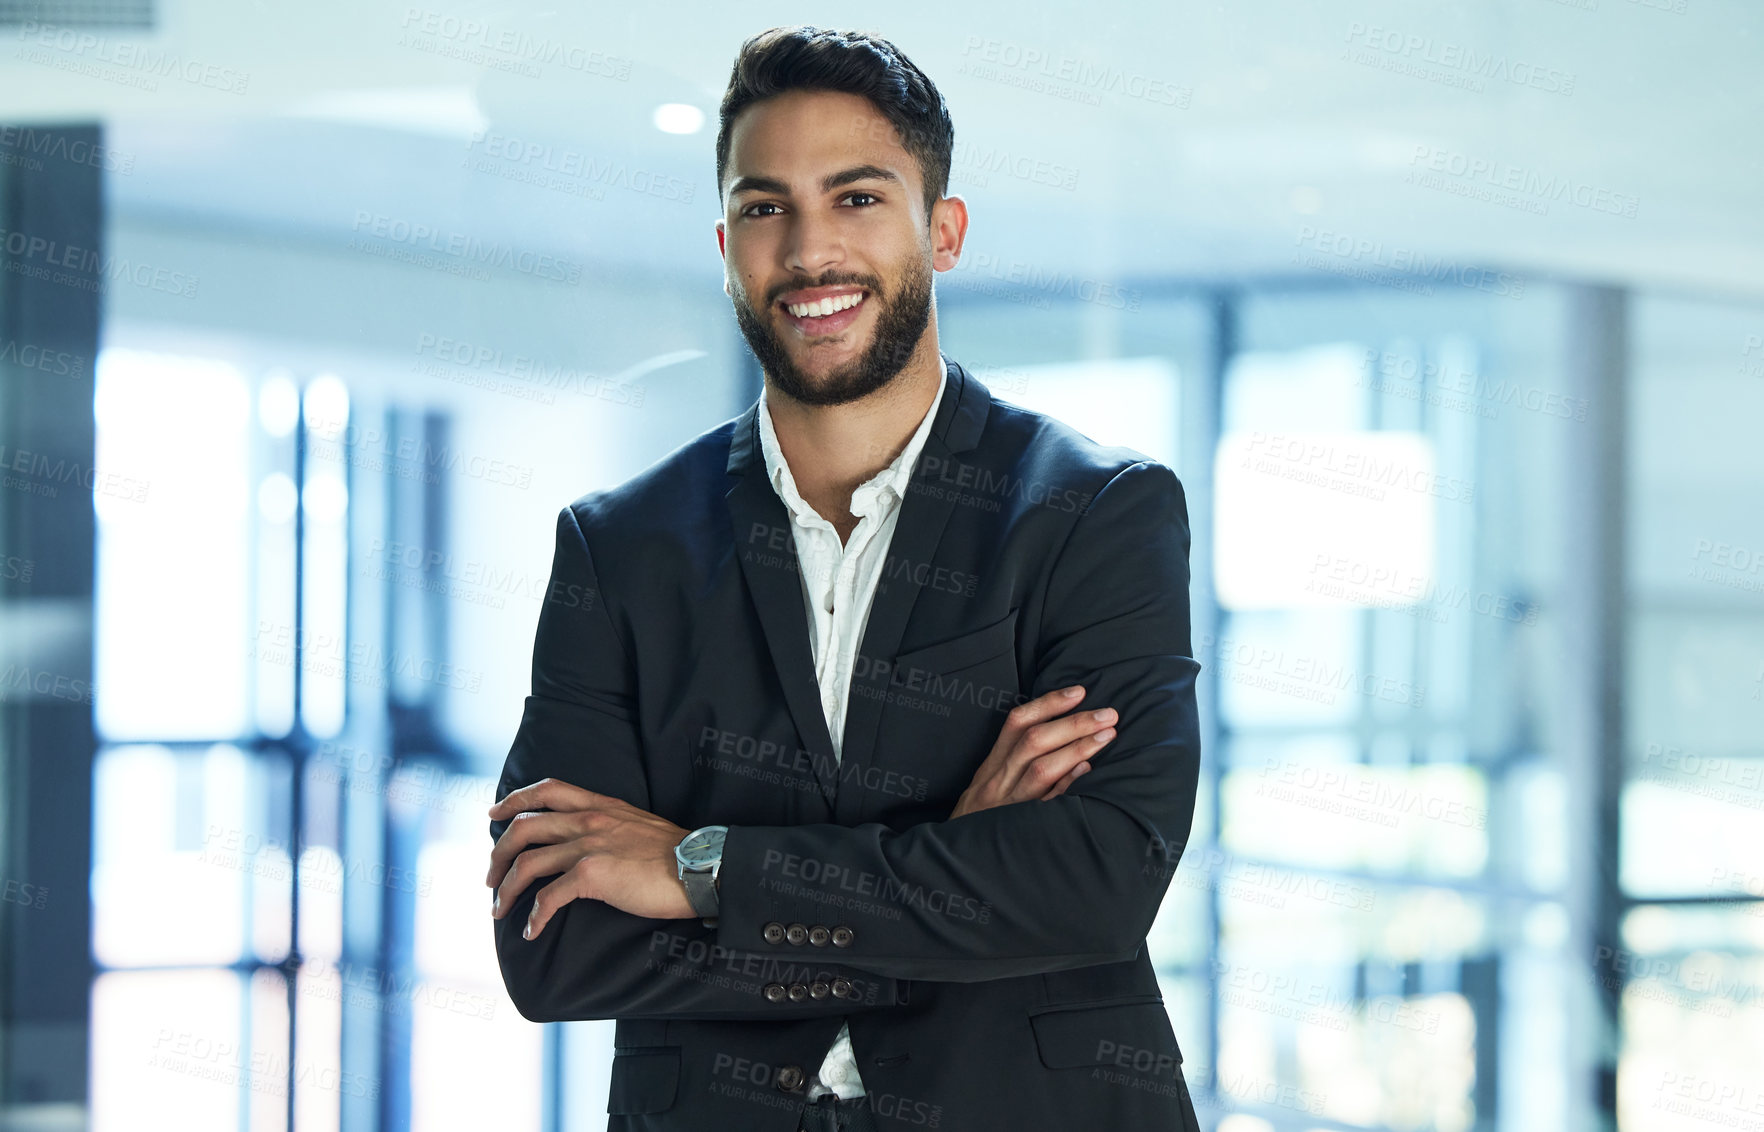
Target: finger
x=1072 y=776
x=541 y=861
x=571 y=886
x=529 y=828
x=1044 y=738
x=546 y=794
x=1052 y=734
x=1024 y=716
x=1046 y=771
x=1043 y=707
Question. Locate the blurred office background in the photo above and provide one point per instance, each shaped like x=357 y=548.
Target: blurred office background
x=1450 y=316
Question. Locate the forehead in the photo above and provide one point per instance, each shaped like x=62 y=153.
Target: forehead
x=802 y=134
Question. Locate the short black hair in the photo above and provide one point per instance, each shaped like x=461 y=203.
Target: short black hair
x=782 y=59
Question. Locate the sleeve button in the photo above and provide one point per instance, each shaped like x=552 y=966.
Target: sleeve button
x=798 y=992
x=773 y=932
x=842 y=936
x=842 y=987
x=775 y=992
x=796 y=934
x=819 y=989
x=818 y=935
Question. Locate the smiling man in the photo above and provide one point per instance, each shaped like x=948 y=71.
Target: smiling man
x=862 y=742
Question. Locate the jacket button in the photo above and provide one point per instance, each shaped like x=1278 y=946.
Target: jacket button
x=842 y=987
x=790 y=1078
x=775 y=992
x=819 y=989
x=796 y=934
x=774 y=932
x=818 y=935
x=842 y=936
x=798 y=992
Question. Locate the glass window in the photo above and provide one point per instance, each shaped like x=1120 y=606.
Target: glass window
x=173 y=502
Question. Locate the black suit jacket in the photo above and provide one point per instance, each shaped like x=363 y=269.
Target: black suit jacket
x=992 y=967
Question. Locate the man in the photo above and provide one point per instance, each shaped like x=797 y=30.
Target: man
x=863 y=738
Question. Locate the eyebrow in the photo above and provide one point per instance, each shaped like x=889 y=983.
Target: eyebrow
x=757 y=184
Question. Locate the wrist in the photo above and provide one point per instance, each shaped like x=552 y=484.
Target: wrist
x=699 y=859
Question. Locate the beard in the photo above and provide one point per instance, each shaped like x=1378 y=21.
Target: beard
x=900 y=325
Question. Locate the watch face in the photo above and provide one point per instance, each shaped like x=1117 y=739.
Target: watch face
x=701 y=847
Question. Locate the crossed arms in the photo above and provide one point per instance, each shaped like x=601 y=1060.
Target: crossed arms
x=1063 y=882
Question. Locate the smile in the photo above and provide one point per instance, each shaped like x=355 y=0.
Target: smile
x=828 y=316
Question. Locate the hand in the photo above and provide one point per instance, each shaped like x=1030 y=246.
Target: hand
x=606 y=849
x=1037 y=756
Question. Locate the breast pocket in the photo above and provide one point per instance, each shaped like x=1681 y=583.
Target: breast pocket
x=914 y=667
x=943 y=706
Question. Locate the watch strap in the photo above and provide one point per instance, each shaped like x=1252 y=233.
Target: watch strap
x=701 y=890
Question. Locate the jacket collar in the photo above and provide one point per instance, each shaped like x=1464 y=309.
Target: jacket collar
x=961 y=415
x=894 y=478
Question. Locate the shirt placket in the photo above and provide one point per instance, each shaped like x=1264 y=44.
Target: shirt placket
x=844 y=594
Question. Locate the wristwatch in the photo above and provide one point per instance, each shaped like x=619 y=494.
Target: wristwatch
x=700 y=856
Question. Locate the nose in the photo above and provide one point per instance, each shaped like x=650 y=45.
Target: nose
x=814 y=244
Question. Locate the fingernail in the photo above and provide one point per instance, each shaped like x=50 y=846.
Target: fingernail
x=527 y=932
x=1103 y=715
x=496 y=904
x=1074 y=691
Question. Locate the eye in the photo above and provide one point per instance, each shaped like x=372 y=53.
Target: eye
x=850 y=197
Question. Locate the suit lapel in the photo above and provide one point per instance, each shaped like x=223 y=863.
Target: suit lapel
x=765 y=545
x=918 y=531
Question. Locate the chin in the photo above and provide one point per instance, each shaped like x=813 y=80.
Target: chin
x=819 y=360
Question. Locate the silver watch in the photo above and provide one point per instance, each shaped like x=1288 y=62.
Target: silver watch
x=700 y=857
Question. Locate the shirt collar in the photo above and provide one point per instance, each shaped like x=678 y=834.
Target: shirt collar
x=894 y=478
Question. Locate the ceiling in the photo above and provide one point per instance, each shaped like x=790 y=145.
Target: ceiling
x=1611 y=140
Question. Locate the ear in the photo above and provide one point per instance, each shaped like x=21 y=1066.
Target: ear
x=723 y=250
x=949 y=227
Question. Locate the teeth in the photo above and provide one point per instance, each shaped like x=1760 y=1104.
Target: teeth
x=825 y=306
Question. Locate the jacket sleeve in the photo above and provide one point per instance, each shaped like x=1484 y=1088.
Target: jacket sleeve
x=1037 y=886
x=594 y=960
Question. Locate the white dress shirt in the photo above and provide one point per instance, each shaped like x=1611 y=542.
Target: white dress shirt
x=838 y=583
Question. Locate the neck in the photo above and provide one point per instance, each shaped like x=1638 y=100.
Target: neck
x=831 y=449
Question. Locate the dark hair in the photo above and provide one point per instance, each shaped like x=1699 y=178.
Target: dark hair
x=810 y=58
